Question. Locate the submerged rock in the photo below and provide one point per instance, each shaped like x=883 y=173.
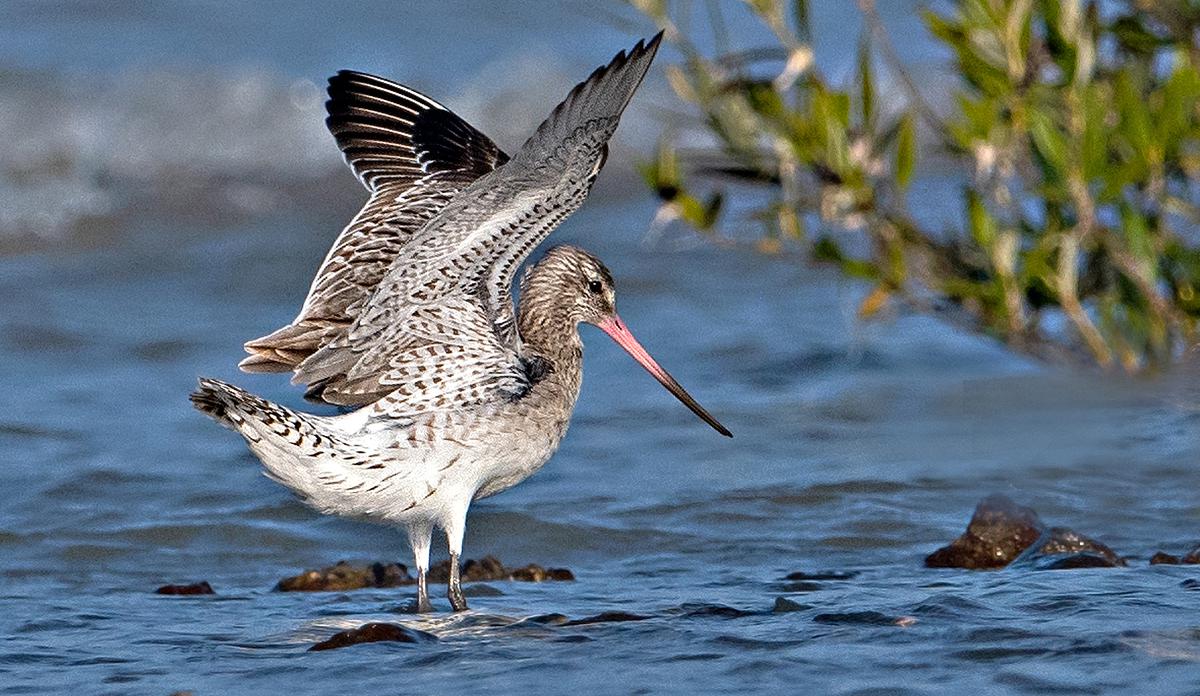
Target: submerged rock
x=1064 y=549
x=606 y=617
x=535 y=573
x=373 y=633
x=344 y=576
x=998 y=532
x=699 y=610
x=865 y=618
x=1162 y=557
x=490 y=568
x=831 y=575
x=486 y=568
x=784 y=605
x=196 y=588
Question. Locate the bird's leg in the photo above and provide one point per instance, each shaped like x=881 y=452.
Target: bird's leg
x=419 y=536
x=455 y=527
x=457 y=600
x=424 y=606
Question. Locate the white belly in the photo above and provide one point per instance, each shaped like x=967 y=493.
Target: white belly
x=401 y=477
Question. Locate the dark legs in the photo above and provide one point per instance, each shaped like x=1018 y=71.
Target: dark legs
x=455 y=524
x=457 y=600
x=423 y=604
x=419 y=537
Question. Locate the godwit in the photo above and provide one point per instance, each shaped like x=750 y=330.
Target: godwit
x=410 y=316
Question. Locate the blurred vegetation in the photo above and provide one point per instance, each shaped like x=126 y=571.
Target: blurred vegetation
x=1076 y=129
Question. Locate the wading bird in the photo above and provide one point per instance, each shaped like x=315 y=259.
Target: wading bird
x=410 y=318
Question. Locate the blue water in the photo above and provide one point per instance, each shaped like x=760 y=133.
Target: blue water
x=858 y=448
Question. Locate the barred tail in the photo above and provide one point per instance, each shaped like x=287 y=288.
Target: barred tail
x=227 y=404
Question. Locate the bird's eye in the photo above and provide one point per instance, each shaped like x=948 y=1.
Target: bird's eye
x=595 y=287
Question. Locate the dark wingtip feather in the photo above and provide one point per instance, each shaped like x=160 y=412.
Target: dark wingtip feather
x=392 y=133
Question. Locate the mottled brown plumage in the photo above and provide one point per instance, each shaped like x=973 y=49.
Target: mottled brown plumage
x=410 y=317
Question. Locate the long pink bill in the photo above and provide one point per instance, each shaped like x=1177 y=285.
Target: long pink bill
x=616 y=329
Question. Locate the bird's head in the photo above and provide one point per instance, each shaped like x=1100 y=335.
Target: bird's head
x=570 y=285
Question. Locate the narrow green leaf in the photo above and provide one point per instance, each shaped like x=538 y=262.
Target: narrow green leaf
x=906 y=150
x=1050 y=143
x=866 y=81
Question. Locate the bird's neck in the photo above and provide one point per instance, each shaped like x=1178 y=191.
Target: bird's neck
x=551 y=333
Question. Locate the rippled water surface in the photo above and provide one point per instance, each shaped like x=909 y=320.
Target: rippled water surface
x=859 y=449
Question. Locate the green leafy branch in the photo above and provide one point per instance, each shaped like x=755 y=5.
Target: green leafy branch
x=1077 y=136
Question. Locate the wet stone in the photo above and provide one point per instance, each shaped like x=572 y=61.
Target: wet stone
x=482 y=590
x=547 y=619
x=490 y=568
x=784 y=605
x=803 y=586
x=374 y=633
x=834 y=575
x=1064 y=549
x=865 y=618
x=999 y=531
x=344 y=576
x=607 y=617
x=196 y=588
x=1163 y=558
x=714 y=610
x=1193 y=556
x=1075 y=561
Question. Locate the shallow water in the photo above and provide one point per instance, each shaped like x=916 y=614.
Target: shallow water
x=859 y=449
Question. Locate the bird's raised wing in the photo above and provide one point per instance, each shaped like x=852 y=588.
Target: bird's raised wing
x=413 y=155
x=461 y=264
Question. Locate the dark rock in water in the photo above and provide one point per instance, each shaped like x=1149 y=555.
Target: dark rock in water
x=482 y=590
x=1190 y=584
x=784 y=605
x=374 y=633
x=535 y=573
x=868 y=618
x=547 y=620
x=196 y=588
x=1064 y=549
x=486 y=568
x=800 y=575
x=344 y=576
x=1163 y=558
x=803 y=586
x=606 y=617
x=1193 y=556
x=698 y=610
x=998 y=532
x=490 y=568
x=1074 y=561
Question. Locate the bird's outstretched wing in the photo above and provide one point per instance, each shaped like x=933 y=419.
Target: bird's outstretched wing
x=448 y=293
x=413 y=155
